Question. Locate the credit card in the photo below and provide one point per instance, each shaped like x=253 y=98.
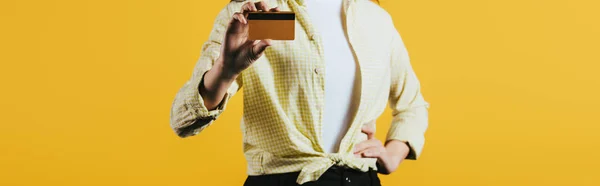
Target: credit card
x=271 y=25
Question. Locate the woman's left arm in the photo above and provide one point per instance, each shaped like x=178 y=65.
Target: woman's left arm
x=405 y=138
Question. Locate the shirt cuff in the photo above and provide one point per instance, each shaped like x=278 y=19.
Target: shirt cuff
x=204 y=117
x=413 y=138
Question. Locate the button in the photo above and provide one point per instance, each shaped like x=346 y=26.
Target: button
x=313 y=37
x=348 y=179
x=317 y=71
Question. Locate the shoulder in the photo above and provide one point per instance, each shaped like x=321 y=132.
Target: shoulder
x=373 y=10
x=378 y=19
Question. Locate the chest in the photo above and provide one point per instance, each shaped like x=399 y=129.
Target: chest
x=302 y=62
x=362 y=37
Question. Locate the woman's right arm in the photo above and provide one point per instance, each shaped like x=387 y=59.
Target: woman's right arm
x=215 y=78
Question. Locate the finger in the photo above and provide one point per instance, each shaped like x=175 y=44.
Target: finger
x=371 y=153
x=369 y=130
x=240 y=17
x=276 y=9
x=259 y=47
x=248 y=7
x=366 y=144
x=261 y=5
x=237 y=26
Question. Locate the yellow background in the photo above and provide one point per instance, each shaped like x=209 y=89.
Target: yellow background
x=86 y=90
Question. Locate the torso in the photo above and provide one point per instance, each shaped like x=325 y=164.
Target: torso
x=340 y=69
x=284 y=133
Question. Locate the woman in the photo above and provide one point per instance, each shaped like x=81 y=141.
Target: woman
x=309 y=104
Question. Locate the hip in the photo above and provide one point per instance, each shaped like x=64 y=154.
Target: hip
x=334 y=176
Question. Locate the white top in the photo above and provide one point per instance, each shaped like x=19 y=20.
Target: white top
x=340 y=70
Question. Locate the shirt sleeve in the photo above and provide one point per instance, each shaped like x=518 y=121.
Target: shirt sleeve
x=409 y=109
x=189 y=115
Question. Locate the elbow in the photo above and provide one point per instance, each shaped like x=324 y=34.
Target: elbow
x=386 y=169
x=185 y=132
x=181 y=128
x=179 y=131
x=187 y=128
x=182 y=134
x=391 y=170
x=182 y=120
x=180 y=125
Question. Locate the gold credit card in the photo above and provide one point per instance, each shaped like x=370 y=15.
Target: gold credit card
x=271 y=25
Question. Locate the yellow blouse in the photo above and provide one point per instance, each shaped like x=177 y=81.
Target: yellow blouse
x=284 y=91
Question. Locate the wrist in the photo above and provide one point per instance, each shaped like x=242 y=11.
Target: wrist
x=395 y=151
x=223 y=73
x=397 y=148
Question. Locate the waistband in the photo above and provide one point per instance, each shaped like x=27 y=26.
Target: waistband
x=315 y=169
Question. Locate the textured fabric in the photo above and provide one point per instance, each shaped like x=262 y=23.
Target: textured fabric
x=335 y=176
x=340 y=70
x=284 y=94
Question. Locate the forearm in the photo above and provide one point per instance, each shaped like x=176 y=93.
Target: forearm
x=397 y=148
x=396 y=152
x=215 y=84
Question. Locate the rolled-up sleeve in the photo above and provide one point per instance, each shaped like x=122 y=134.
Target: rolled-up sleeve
x=409 y=109
x=189 y=115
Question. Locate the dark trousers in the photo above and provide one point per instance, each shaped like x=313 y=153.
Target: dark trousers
x=335 y=176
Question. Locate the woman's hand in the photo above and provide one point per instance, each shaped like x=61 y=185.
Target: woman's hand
x=388 y=156
x=237 y=52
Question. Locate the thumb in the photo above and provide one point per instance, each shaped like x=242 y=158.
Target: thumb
x=369 y=130
x=259 y=47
